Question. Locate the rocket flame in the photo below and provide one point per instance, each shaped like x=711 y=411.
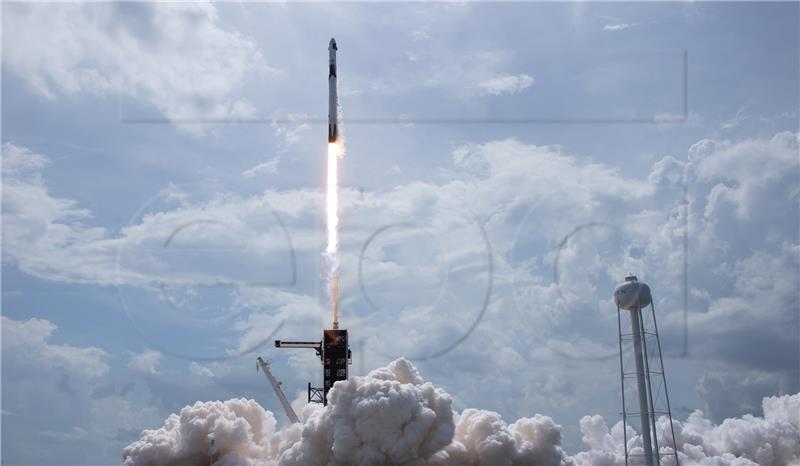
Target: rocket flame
x=332 y=210
x=332 y=203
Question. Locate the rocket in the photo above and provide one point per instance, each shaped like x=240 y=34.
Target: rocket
x=333 y=100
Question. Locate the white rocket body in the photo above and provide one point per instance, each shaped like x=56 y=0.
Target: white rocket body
x=333 y=99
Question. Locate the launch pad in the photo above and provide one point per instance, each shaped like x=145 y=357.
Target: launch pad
x=334 y=352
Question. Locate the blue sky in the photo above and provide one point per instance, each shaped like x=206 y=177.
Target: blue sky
x=163 y=166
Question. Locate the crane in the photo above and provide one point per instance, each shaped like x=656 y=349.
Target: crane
x=278 y=392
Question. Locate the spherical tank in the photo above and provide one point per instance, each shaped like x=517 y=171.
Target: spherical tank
x=632 y=295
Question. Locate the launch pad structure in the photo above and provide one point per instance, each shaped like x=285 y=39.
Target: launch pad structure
x=334 y=352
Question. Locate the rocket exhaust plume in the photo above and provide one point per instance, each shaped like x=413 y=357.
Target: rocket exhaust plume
x=332 y=195
x=401 y=419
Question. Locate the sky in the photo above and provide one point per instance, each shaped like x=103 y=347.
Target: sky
x=506 y=164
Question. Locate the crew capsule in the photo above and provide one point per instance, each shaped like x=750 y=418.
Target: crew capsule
x=333 y=99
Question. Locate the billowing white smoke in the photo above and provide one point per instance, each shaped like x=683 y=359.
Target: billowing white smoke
x=393 y=417
x=233 y=432
x=389 y=417
x=483 y=438
x=772 y=440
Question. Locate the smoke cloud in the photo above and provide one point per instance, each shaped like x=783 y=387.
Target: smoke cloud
x=233 y=432
x=772 y=440
x=393 y=417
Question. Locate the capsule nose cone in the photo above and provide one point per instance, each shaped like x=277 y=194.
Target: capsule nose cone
x=332 y=44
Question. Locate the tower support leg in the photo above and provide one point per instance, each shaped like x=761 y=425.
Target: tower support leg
x=644 y=408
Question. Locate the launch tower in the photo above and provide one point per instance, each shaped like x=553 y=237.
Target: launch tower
x=334 y=352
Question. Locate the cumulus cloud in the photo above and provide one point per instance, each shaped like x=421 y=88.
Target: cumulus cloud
x=46 y=238
x=29 y=212
x=527 y=199
x=25 y=343
x=202 y=371
x=743 y=171
x=178 y=58
x=59 y=398
x=506 y=84
x=147 y=361
x=744 y=258
x=51 y=237
x=391 y=416
x=505 y=183
x=729 y=394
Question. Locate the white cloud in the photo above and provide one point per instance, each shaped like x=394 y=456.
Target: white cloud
x=176 y=57
x=430 y=276
x=19 y=162
x=506 y=84
x=28 y=209
x=779 y=116
x=52 y=391
x=200 y=371
x=38 y=229
x=730 y=393
x=25 y=344
x=615 y=27
x=461 y=75
x=290 y=132
x=268 y=309
x=75 y=434
x=147 y=361
x=266 y=168
x=736 y=121
x=46 y=236
x=752 y=165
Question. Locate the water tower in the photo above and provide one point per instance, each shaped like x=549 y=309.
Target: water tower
x=648 y=372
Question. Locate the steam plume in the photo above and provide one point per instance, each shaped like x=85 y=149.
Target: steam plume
x=393 y=417
x=772 y=440
x=389 y=417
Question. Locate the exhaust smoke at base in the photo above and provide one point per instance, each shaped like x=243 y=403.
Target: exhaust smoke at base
x=393 y=417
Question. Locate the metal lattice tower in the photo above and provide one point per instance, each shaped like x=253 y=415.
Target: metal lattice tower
x=642 y=376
